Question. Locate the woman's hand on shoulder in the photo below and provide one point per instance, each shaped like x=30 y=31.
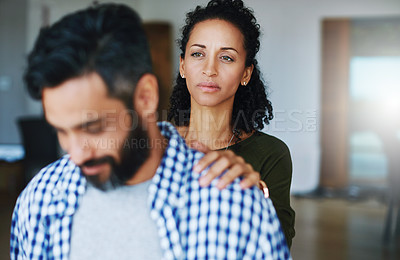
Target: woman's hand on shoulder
x=227 y=163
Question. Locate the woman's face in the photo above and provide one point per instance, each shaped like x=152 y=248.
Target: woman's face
x=214 y=63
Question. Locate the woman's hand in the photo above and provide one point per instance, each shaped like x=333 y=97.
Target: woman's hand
x=222 y=161
x=263 y=186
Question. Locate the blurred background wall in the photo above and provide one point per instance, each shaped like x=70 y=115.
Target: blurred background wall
x=289 y=58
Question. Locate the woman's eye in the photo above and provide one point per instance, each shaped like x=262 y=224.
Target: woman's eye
x=227 y=58
x=196 y=54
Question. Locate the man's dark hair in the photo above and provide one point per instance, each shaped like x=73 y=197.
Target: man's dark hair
x=251 y=108
x=107 y=39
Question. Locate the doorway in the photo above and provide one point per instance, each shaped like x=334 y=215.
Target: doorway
x=360 y=100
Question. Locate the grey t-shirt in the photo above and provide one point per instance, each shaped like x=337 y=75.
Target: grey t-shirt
x=115 y=224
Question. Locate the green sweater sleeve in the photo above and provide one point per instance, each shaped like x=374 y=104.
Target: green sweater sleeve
x=277 y=174
x=271 y=158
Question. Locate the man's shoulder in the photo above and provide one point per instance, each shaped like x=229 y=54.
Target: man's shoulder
x=232 y=214
x=53 y=173
x=48 y=182
x=233 y=194
x=177 y=177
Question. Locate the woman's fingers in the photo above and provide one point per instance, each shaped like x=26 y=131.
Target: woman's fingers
x=230 y=166
x=251 y=178
x=204 y=162
x=220 y=165
x=264 y=188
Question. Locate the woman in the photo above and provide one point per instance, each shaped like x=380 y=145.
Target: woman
x=220 y=101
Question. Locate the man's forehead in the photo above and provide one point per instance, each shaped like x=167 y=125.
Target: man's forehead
x=87 y=83
x=78 y=101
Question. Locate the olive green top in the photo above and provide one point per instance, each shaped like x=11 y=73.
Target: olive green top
x=271 y=158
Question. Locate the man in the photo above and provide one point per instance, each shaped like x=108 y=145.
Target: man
x=126 y=189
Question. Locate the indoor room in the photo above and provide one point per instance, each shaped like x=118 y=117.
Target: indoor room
x=332 y=71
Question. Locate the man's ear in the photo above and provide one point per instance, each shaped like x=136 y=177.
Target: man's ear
x=145 y=99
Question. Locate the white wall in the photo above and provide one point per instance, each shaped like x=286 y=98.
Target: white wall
x=12 y=42
x=289 y=59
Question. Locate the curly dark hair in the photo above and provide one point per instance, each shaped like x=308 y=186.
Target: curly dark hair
x=251 y=108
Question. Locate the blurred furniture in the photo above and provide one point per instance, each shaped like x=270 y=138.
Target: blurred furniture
x=11 y=152
x=40 y=143
x=391 y=233
x=334 y=103
x=159 y=35
x=11 y=171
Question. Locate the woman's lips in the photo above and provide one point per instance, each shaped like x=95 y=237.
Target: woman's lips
x=208 y=87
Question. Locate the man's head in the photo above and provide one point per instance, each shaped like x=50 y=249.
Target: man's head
x=92 y=71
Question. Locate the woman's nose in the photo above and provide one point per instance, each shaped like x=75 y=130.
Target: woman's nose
x=210 y=68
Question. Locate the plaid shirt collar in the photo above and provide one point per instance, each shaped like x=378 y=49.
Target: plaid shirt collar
x=71 y=174
x=63 y=194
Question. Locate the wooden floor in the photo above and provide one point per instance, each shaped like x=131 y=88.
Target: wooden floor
x=6 y=207
x=325 y=229
x=328 y=228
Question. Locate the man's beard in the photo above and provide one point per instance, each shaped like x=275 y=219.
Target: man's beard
x=135 y=151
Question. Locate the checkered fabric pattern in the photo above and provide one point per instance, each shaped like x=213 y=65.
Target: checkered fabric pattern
x=193 y=222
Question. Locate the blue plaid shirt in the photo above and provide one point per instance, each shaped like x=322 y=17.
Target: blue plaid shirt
x=193 y=222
